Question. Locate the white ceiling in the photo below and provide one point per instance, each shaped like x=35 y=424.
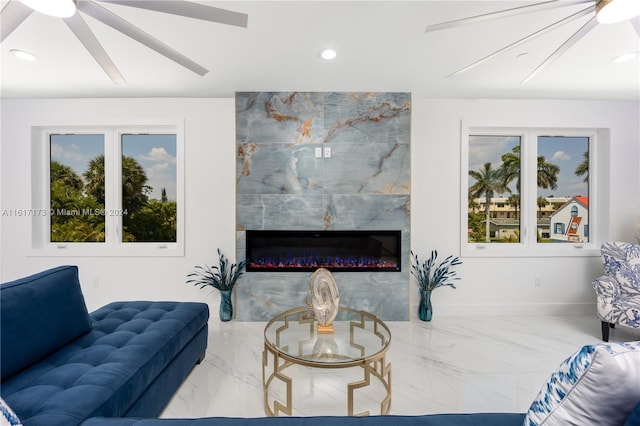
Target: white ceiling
x=382 y=46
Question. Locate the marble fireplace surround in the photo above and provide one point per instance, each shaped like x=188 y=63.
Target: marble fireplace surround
x=282 y=185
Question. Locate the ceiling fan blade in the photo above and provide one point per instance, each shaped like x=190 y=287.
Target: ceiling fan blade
x=91 y=43
x=130 y=30
x=12 y=16
x=635 y=22
x=531 y=36
x=553 y=4
x=189 y=10
x=591 y=24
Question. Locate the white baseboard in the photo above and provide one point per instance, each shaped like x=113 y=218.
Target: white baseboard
x=523 y=309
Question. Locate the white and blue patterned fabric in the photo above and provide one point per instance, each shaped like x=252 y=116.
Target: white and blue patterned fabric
x=7 y=416
x=599 y=385
x=618 y=292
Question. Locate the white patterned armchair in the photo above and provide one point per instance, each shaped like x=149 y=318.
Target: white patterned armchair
x=618 y=292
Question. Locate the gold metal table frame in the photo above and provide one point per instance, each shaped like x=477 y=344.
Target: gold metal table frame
x=279 y=348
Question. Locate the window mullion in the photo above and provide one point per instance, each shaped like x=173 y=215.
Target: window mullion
x=529 y=208
x=112 y=183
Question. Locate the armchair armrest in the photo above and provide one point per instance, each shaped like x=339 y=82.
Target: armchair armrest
x=606 y=287
x=607 y=291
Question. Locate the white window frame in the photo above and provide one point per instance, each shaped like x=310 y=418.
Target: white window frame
x=41 y=244
x=528 y=245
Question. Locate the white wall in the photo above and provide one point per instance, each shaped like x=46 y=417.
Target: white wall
x=210 y=196
x=488 y=285
x=506 y=285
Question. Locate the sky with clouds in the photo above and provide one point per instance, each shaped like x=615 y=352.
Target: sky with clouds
x=564 y=152
x=155 y=153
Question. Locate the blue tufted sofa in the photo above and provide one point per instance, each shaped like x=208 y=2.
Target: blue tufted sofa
x=61 y=365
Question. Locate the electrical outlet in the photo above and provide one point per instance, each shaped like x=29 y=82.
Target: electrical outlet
x=537 y=281
x=327 y=152
x=318 y=152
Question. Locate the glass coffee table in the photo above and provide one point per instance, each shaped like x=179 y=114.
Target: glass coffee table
x=359 y=342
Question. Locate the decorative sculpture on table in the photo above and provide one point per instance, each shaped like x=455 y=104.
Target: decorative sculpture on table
x=324 y=299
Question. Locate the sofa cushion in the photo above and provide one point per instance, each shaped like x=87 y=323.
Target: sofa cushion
x=598 y=385
x=104 y=372
x=40 y=314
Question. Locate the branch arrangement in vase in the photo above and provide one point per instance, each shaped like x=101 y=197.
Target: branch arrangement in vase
x=431 y=276
x=221 y=277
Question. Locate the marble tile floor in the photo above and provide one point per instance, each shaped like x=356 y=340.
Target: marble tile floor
x=451 y=364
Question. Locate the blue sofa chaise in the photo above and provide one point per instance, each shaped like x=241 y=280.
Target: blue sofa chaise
x=61 y=365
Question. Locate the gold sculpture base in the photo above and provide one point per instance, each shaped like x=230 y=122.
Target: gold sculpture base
x=326 y=329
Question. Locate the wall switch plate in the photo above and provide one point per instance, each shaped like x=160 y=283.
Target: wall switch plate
x=318 y=152
x=327 y=152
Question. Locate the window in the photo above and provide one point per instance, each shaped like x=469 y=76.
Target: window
x=543 y=177
x=76 y=188
x=108 y=191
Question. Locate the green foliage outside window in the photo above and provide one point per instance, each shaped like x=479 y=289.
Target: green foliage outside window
x=78 y=205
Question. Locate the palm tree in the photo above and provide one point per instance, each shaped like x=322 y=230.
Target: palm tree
x=66 y=175
x=134 y=185
x=488 y=182
x=541 y=201
x=511 y=167
x=94 y=178
x=514 y=200
x=583 y=168
x=547 y=174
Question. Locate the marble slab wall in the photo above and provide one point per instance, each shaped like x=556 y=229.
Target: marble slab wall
x=282 y=185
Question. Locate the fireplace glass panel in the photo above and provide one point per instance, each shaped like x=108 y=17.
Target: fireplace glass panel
x=298 y=251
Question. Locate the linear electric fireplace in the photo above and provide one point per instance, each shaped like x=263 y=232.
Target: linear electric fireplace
x=299 y=251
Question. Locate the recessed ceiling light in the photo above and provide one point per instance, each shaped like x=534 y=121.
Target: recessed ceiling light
x=626 y=57
x=23 y=54
x=328 y=54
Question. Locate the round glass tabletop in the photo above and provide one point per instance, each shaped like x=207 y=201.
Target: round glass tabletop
x=357 y=336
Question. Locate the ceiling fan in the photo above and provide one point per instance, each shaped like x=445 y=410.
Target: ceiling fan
x=16 y=11
x=602 y=11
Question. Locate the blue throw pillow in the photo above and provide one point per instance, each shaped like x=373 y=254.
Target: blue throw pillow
x=7 y=416
x=598 y=385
